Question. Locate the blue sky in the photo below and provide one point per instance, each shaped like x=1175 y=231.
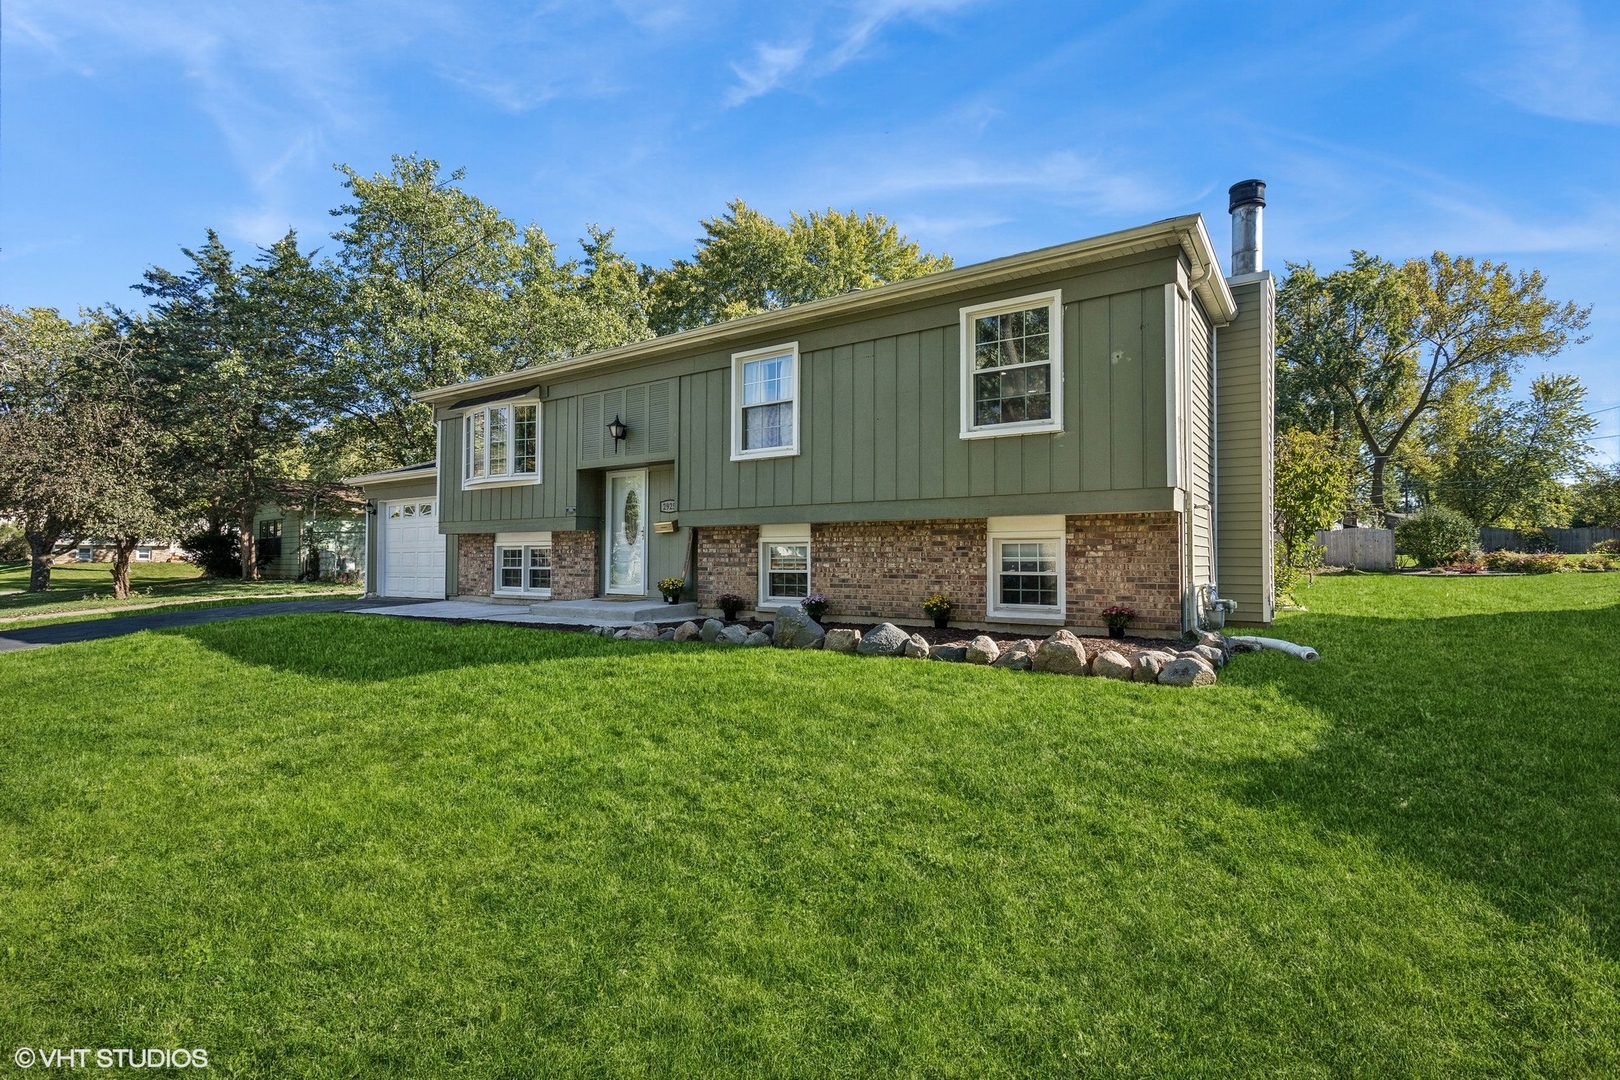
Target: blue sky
x=128 y=128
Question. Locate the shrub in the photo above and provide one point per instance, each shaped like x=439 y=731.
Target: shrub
x=1434 y=536
x=13 y=545
x=1536 y=541
x=1517 y=562
x=730 y=603
x=217 y=550
x=1606 y=547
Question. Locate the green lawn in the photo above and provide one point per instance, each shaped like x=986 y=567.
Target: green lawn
x=79 y=587
x=338 y=845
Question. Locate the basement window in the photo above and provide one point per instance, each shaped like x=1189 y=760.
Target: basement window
x=523 y=564
x=502 y=444
x=784 y=564
x=1026 y=571
x=1012 y=371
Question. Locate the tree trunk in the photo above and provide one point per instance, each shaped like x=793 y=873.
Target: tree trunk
x=250 y=549
x=1379 y=463
x=123 y=548
x=40 y=549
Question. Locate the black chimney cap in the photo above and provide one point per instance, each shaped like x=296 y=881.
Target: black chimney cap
x=1246 y=193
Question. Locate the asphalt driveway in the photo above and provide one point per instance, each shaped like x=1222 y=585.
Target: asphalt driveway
x=95 y=629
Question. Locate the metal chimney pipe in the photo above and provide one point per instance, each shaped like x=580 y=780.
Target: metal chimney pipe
x=1247 y=201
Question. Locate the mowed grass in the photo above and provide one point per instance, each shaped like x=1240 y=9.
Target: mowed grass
x=337 y=845
x=78 y=587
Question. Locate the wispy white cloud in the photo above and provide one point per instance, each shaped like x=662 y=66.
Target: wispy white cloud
x=1557 y=63
x=849 y=34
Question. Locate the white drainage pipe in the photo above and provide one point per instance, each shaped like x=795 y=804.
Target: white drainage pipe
x=1300 y=652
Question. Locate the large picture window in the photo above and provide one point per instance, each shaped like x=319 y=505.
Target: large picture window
x=502 y=443
x=523 y=564
x=1026 y=573
x=1012 y=371
x=765 y=402
x=784 y=564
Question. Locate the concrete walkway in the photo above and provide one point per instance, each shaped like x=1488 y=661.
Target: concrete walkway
x=612 y=613
x=96 y=629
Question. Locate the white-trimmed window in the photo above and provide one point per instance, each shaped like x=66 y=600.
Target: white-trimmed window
x=502 y=443
x=1026 y=572
x=523 y=564
x=765 y=402
x=1012 y=366
x=86 y=553
x=784 y=564
x=143 y=554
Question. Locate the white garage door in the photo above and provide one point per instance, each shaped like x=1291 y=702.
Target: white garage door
x=412 y=550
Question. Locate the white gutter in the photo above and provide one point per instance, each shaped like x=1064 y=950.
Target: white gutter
x=1187 y=232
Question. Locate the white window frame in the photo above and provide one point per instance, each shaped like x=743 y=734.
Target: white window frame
x=1046 y=527
x=85 y=553
x=509 y=478
x=527 y=543
x=738 y=360
x=1053 y=300
x=143 y=554
x=783 y=534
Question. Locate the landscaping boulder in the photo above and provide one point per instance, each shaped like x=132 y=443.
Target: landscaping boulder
x=735 y=634
x=796 y=630
x=711 y=629
x=841 y=640
x=1061 y=654
x=667 y=634
x=1187 y=671
x=1215 y=657
x=1148 y=665
x=951 y=654
x=643 y=631
x=1216 y=641
x=769 y=629
x=601 y=631
x=884 y=639
x=686 y=631
x=1019 y=656
x=621 y=634
x=982 y=650
x=757 y=638
x=917 y=647
x=1109 y=664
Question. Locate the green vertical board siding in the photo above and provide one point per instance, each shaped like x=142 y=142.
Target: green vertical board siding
x=666 y=552
x=1094 y=389
x=1125 y=389
x=1244 y=370
x=933 y=404
x=885 y=418
x=908 y=418
x=1155 y=438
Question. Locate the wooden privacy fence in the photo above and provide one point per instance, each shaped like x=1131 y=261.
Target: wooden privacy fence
x=1569 y=541
x=1364 y=549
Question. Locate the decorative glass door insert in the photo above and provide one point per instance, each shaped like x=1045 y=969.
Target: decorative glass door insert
x=627 y=533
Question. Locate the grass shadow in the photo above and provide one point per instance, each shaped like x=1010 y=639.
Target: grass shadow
x=1484 y=746
x=370 y=648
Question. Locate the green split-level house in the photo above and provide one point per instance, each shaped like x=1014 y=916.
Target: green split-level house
x=1038 y=437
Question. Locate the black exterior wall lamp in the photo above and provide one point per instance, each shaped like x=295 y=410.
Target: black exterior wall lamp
x=618 y=430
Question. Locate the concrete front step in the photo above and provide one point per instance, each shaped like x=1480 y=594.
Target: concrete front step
x=611 y=612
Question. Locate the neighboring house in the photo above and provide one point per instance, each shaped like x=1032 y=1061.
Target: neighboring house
x=311 y=534
x=1039 y=437
x=100 y=550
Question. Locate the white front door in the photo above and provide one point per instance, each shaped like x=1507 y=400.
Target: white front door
x=627 y=532
x=412 y=554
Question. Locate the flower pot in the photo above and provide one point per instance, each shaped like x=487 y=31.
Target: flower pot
x=941 y=622
x=1116 y=631
x=668 y=599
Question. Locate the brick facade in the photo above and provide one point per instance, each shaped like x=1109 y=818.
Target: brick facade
x=1129 y=559
x=574 y=567
x=727 y=562
x=475 y=564
x=885 y=569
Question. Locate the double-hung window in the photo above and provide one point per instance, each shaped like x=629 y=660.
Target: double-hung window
x=502 y=443
x=523 y=564
x=1012 y=367
x=784 y=564
x=1026 y=571
x=765 y=402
